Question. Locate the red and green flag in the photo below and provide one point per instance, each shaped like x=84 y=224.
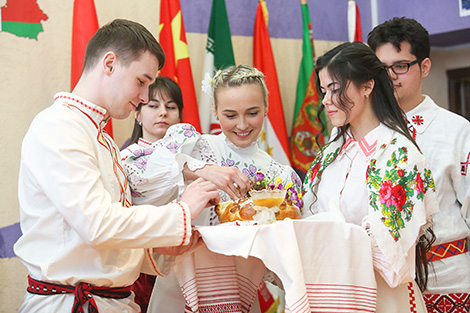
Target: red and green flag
x=22 y=18
x=177 y=64
x=307 y=103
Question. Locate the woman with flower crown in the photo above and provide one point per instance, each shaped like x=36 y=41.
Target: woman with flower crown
x=240 y=103
x=372 y=174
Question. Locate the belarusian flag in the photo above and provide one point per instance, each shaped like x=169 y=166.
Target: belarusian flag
x=85 y=25
x=219 y=55
x=354 y=22
x=275 y=140
x=22 y=18
x=306 y=125
x=177 y=65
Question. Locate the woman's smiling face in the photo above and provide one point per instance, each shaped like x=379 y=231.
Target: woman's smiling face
x=241 y=111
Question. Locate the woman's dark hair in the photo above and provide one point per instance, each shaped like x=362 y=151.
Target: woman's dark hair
x=163 y=85
x=355 y=63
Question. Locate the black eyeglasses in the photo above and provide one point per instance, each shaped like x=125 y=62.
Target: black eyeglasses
x=401 y=67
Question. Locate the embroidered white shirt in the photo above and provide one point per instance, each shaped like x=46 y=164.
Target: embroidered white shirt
x=77 y=222
x=444 y=139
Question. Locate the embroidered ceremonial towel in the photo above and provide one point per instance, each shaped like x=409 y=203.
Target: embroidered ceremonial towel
x=322 y=264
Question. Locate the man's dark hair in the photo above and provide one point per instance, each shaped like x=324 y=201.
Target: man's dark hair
x=400 y=29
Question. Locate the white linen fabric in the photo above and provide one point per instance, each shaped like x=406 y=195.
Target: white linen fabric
x=359 y=182
x=76 y=218
x=318 y=267
x=444 y=139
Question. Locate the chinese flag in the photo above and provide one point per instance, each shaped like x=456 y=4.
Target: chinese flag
x=85 y=25
x=177 y=65
x=276 y=142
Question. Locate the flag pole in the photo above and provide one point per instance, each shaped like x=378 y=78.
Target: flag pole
x=374 y=13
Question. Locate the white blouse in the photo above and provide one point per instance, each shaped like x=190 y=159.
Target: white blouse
x=344 y=191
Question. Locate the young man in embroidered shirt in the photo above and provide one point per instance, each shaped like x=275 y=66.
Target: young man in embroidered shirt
x=402 y=45
x=83 y=242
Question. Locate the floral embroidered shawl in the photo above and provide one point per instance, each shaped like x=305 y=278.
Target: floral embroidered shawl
x=401 y=192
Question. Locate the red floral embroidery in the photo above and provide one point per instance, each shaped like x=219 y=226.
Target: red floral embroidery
x=399 y=197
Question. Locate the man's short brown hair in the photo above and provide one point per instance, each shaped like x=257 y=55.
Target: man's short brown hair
x=127 y=39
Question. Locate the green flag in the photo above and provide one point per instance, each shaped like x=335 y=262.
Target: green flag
x=219 y=55
x=306 y=65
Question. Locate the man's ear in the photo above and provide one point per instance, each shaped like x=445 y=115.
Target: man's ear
x=425 y=67
x=109 y=62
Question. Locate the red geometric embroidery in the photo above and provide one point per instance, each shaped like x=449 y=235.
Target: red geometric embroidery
x=464 y=166
x=418 y=120
x=412 y=298
x=447 y=303
x=412 y=131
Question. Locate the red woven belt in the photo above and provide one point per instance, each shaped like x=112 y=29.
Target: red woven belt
x=83 y=292
x=446 y=250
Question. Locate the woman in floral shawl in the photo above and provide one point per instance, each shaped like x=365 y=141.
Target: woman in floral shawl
x=240 y=103
x=372 y=174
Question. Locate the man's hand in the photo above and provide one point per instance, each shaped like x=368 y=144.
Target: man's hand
x=199 y=195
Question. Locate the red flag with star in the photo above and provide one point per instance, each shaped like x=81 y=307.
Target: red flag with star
x=85 y=25
x=177 y=64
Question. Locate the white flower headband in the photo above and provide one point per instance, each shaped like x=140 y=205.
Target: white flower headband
x=207 y=83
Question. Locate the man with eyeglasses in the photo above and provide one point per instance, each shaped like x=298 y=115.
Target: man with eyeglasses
x=402 y=44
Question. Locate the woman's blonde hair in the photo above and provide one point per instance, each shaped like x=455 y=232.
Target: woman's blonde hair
x=235 y=76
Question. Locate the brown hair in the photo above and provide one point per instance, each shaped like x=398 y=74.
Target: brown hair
x=127 y=39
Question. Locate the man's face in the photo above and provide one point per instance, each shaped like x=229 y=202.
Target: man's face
x=407 y=86
x=128 y=85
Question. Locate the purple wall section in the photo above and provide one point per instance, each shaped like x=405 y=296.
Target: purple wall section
x=436 y=16
x=8 y=236
x=328 y=17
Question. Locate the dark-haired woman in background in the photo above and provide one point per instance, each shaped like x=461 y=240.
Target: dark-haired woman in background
x=372 y=173
x=165 y=108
